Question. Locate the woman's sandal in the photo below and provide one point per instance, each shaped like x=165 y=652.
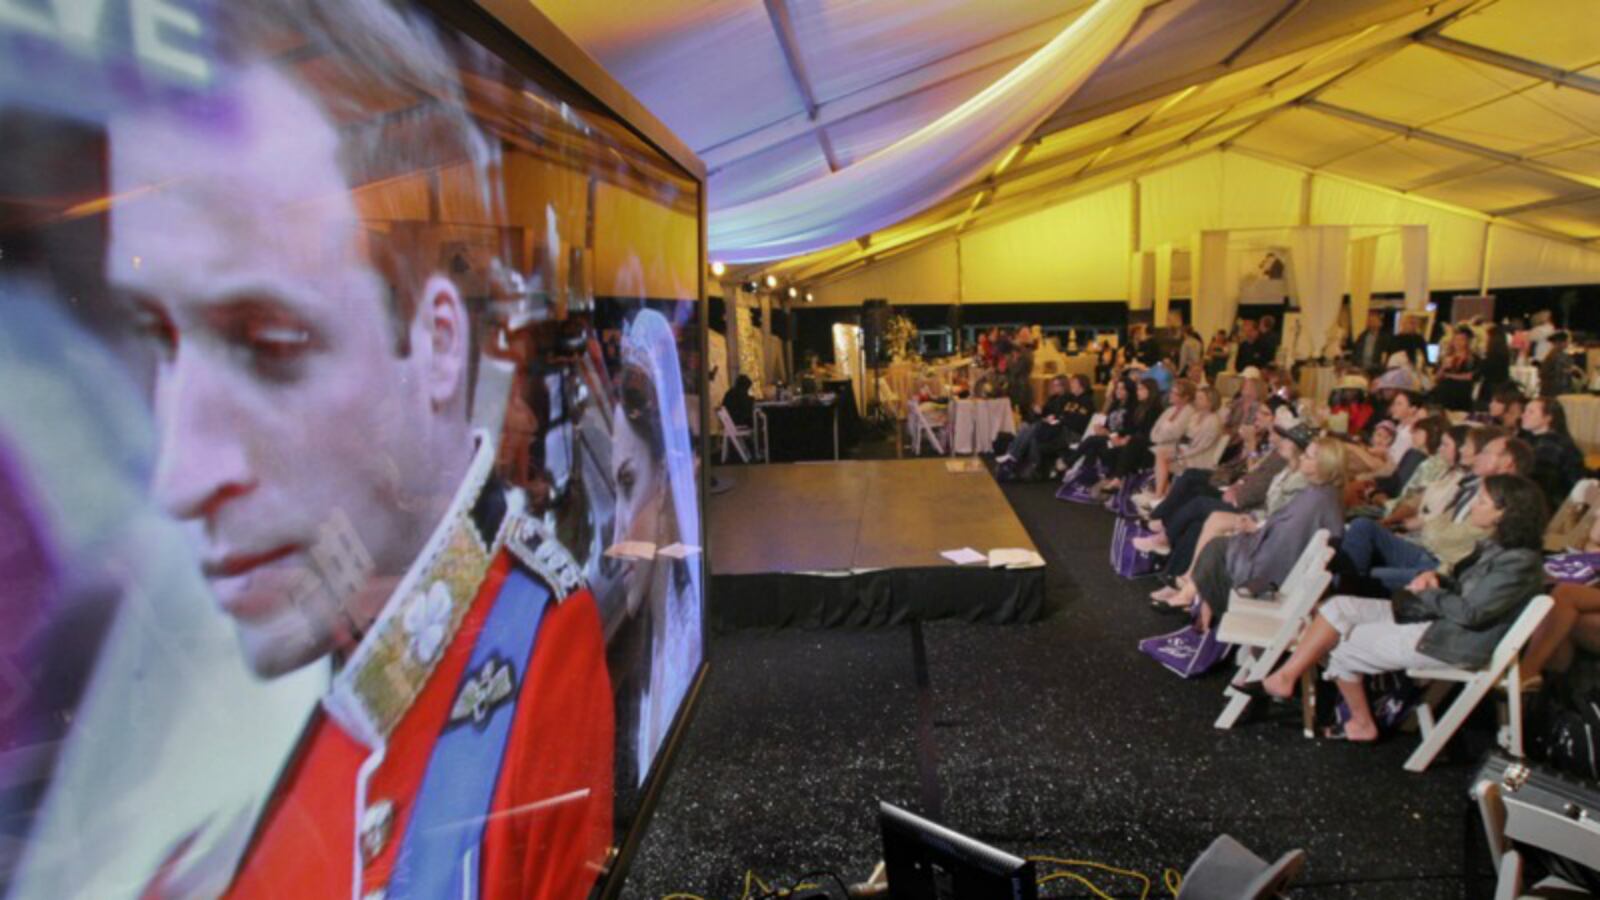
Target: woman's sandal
x=1336 y=733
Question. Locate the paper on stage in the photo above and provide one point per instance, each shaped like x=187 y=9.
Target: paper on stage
x=964 y=556
x=632 y=550
x=1014 y=558
x=968 y=466
x=678 y=551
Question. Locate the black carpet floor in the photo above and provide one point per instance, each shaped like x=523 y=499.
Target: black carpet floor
x=1057 y=738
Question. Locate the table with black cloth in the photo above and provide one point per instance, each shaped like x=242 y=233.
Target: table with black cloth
x=801 y=430
x=849 y=419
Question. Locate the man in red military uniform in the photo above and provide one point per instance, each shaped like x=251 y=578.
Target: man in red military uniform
x=314 y=393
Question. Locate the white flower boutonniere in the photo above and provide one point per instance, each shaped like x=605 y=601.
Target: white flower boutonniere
x=426 y=618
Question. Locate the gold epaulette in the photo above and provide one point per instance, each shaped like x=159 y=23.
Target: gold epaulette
x=542 y=553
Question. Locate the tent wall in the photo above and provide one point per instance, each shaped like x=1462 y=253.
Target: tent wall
x=928 y=275
x=1075 y=251
x=1078 y=250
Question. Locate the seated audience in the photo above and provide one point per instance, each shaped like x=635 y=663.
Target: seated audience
x=1437 y=619
x=1095 y=445
x=1060 y=422
x=1505 y=408
x=1127 y=451
x=1256 y=556
x=1260 y=477
x=1557 y=461
x=1455 y=454
x=1371 y=551
x=1197 y=447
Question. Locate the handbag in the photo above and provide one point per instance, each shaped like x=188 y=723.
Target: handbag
x=1122 y=502
x=1126 y=559
x=1187 y=652
x=1077 y=486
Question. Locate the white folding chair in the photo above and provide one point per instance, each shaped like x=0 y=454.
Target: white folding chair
x=1504 y=672
x=918 y=425
x=1264 y=630
x=732 y=433
x=1506 y=823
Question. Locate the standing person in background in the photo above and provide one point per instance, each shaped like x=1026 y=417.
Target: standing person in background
x=1251 y=349
x=1368 y=349
x=1495 y=370
x=1555 y=372
x=1217 y=354
x=1458 y=373
x=1410 y=342
x=1539 y=335
x=1105 y=361
x=1191 y=351
x=1019 y=375
x=1270 y=339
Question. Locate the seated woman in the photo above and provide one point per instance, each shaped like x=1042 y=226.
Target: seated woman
x=1128 y=449
x=1061 y=421
x=1558 y=463
x=1435 y=621
x=738 y=402
x=1258 y=555
x=1173 y=422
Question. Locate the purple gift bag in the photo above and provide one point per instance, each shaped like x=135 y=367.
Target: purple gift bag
x=1188 y=651
x=1077 y=486
x=1125 y=557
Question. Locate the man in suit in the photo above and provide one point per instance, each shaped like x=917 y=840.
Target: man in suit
x=1368 y=348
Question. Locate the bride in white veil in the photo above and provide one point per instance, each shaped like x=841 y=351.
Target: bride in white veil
x=657 y=502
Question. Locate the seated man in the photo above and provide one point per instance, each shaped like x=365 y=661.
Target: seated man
x=1371 y=551
x=1437 y=620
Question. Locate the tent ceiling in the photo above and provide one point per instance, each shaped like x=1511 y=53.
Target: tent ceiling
x=1491 y=105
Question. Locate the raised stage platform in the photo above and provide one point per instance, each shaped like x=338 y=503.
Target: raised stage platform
x=846 y=544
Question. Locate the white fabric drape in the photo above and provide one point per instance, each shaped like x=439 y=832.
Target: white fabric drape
x=1215 y=301
x=1414 y=265
x=1163 y=284
x=1317 y=266
x=924 y=168
x=847 y=356
x=1363 y=264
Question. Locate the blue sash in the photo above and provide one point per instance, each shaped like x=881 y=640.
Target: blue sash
x=440 y=855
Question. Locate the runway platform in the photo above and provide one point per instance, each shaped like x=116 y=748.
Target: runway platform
x=857 y=544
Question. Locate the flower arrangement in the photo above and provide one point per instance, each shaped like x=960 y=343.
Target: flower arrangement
x=900 y=335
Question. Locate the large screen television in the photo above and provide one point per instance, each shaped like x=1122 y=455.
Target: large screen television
x=350 y=452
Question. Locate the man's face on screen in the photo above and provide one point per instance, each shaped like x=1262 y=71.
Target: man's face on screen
x=284 y=412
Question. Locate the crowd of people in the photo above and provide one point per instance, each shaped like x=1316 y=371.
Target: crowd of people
x=1438 y=501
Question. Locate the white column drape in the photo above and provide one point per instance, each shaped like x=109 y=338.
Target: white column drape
x=1163 y=284
x=1414 y=265
x=1363 y=265
x=1317 y=264
x=925 y=167
x=1215 y=301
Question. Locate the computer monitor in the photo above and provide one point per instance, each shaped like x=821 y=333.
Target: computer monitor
x=927 y=861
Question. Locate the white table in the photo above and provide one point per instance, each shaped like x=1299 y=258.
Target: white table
x=974 y=424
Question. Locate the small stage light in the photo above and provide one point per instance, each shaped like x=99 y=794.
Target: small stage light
x=772 y=282
x=719 y=268
x=793 y=292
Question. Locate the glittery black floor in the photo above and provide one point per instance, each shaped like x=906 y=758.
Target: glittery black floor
x=1055 y=738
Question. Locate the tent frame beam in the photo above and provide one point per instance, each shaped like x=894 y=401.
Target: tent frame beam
x=1511 y=63
x=789 y=43
x=1449 y=143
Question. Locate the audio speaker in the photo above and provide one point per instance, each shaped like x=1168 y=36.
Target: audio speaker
x=875 y=331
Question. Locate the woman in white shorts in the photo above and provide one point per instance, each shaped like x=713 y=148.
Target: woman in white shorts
x=1437 y=620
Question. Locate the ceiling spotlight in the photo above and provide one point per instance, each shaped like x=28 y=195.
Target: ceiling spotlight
x=810 y=297
x=772 y=281
x=793 y=292
x=719 y=268
x=750 y=287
